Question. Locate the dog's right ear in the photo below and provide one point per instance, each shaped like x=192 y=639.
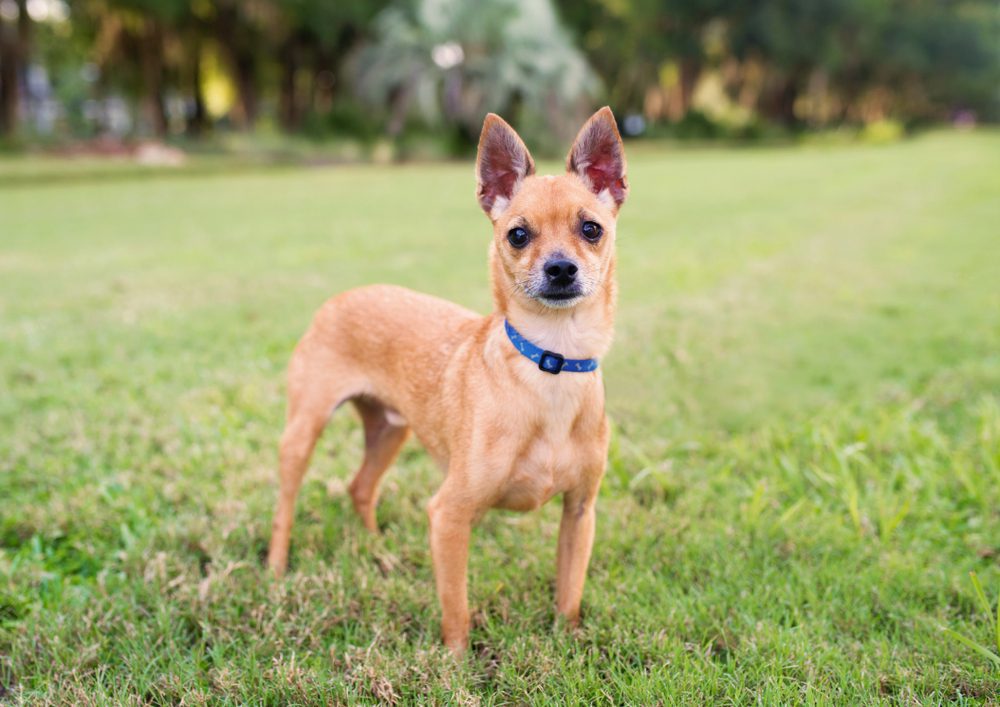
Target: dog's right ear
x=501 y=166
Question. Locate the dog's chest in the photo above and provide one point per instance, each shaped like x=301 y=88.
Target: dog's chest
x=552 y=460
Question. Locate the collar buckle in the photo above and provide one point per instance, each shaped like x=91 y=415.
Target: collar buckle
x=548 y=361
x=551 y=362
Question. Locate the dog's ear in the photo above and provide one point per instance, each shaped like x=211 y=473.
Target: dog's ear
x=501 y=166
x=598 y=158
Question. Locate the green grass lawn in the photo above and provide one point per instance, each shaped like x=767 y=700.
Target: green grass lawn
x=805 y=391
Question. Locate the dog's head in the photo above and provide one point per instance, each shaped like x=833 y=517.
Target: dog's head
x=553 y=236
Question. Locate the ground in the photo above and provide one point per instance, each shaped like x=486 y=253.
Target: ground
x=804 y=391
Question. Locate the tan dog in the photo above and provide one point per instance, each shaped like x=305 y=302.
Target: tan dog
x=482 y=400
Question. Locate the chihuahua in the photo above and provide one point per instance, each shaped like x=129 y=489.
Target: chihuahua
x=511 y=405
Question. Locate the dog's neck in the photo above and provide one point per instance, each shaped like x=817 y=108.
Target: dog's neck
x=582 y=331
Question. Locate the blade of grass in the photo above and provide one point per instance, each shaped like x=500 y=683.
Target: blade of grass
x=981 y=596
x=983 y=651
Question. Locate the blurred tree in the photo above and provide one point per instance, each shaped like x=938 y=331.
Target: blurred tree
x=920 y=56
x=939 y=56
x=15 y=42
x=454 y=60
x=246 y=30
x=129 y=40
x=317 y=39
x=446 y=62
x=796 y=37
x=634 y=44
x=914 y=57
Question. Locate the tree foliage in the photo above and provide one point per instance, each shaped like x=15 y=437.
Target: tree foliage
x=399 y=63
x=454 y=60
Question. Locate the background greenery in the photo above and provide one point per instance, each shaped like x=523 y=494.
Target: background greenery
x=805 y=391
x=418 y=71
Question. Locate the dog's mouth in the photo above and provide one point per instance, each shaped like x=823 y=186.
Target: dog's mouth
x=562 y=297
x=556 y=295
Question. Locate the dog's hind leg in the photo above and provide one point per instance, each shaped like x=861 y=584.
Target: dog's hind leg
x=316 y=385
x=384 y=436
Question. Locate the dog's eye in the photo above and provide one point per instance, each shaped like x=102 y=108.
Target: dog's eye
x=518 y=237
x=591 y=231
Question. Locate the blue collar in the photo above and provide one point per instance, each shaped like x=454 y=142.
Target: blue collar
x=547 y=360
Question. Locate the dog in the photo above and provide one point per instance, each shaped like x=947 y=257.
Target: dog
x=511 y=405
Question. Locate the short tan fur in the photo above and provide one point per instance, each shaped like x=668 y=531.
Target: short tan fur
x=507 y=434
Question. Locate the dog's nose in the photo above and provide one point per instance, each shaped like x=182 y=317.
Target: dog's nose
x=560 y=272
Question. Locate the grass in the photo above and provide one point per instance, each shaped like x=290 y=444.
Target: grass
x=805 y=391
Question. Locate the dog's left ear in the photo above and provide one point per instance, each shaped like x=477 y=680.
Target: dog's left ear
x=502 y=164
x=598 y=158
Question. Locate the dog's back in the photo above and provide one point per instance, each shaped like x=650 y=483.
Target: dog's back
x=383 y=342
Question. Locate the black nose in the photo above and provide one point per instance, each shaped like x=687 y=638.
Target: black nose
x=561 y=272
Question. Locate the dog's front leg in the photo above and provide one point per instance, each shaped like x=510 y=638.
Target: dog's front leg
x=576 y=538
x=451 y=525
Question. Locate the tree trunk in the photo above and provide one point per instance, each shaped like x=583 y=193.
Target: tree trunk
x=246 y=88
x=199 y=119
x=289 y=103
x=779 y=105
x=324 y=81
x=690 y=71
x=399 y=105
x=241 y=54
x=9 y=70
x=15 y=44
x=152 y=73
x=785 y=104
